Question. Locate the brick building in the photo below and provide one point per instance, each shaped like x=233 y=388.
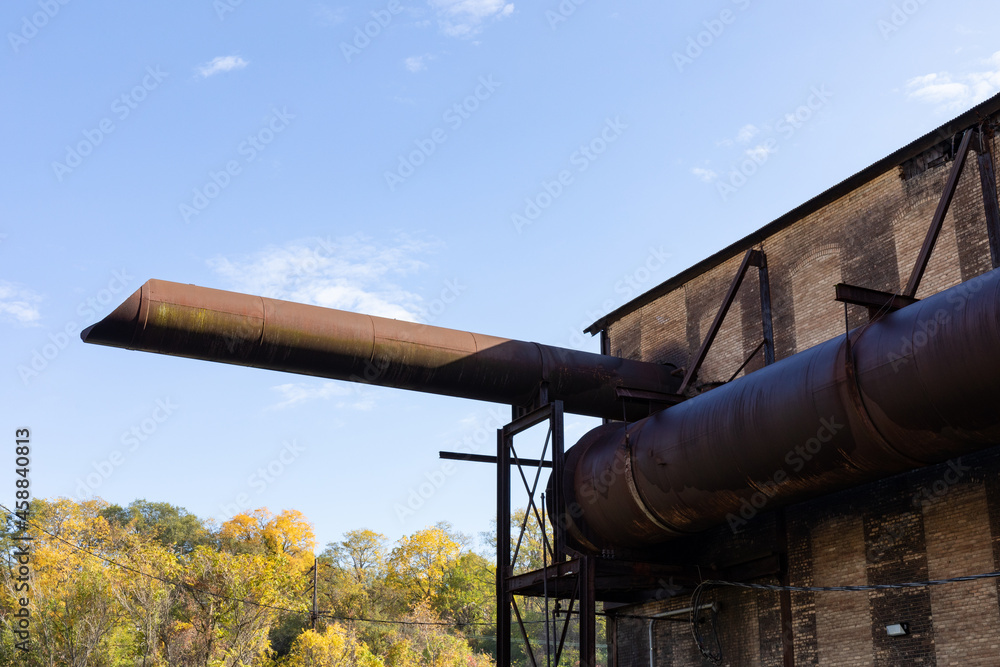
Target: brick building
x=933 y=523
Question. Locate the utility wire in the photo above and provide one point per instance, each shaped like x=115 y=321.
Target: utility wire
x=716 y=655
x=129 y=568
x=220 y=596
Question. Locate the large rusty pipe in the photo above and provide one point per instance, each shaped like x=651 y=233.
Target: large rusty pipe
x=214 y=325
x=916 y=387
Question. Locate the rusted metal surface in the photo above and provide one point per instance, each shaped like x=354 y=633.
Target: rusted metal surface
x=751 y=258
x=202 y=323
x=916 y=387
x=876 y=301
x=765 y=310
x=938 y=221
x=988 y=182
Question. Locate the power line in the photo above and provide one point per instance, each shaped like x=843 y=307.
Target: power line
x=220 y=596
x=715 y=656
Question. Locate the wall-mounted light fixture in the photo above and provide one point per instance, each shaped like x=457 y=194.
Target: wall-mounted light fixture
x=897 y=629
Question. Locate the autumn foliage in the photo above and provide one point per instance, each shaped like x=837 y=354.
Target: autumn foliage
x=151 y=585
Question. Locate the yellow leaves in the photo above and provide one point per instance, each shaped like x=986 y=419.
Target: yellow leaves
x=288 y=534
x=220 y=598
x=428 y=644
x=334 y=647
x=423 y=559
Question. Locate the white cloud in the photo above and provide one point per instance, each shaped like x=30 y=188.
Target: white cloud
x=351 y=273
x=330 y=15
x=706 y=175
x=760 y=152
x=417 y=63
x=746 y=133
x=221 y=64
x=343 y=395
x=950 y=92
x=19 y=304
x=464 y=18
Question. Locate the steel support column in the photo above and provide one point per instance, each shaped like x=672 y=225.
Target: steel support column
x=751 y=258
x=936 y=223
x=990 y=204
x=504 y=598
x=765 y=310
x=555 y=551
x=588 y=612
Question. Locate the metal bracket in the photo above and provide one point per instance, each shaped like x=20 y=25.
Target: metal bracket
x=938 y=220
x=878 y=303
x=751 y=258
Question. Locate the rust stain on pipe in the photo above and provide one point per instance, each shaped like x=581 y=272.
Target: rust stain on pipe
x=215 y=325
x=916 y=387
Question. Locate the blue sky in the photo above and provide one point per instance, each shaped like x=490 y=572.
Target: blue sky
x=506 y=168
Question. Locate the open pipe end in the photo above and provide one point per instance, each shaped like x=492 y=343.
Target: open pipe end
x=118 y=328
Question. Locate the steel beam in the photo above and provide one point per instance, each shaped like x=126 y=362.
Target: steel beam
x=588 y=612
x=990 y=204
x=765 y=311
x=938 y=220
x=877 y=302
x=751 y=258
x=483 y=458
x=504 y=598
x=558 y=465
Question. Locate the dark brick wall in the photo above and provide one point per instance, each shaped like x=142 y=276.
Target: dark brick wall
x=937 y=522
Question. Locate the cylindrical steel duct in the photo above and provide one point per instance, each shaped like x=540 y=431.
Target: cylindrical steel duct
x=918 y=386
x=189 y=321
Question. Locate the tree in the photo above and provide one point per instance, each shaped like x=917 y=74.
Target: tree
x=288 y=535
x=174 y=527
x=420 y=562
x=334 y=647
x=71 y=605
x=467 y=591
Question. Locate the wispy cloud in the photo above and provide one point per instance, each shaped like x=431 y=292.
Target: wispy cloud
x=221 y=64
x=746 y=133
x=343 y=396
x=352 y=273
x=465 y=18
x=949 y=92
x=706 y=175
x=417 y=63
x=760 y=152
x=327 y=15
x=19 y=304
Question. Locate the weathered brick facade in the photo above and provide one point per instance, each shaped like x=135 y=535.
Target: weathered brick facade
x=937 y=522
